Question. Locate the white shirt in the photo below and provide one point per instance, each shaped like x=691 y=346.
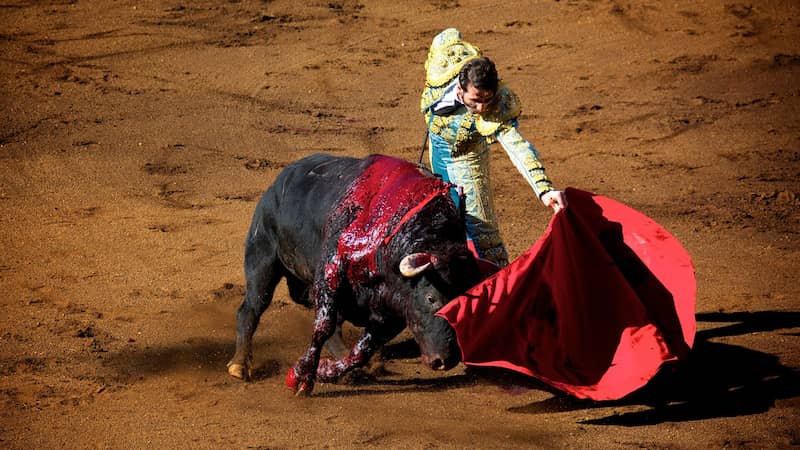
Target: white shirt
x=449 y=98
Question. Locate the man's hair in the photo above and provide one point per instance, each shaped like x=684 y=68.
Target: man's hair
x=480 y=73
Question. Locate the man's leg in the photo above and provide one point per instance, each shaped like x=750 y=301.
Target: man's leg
x=472 y=174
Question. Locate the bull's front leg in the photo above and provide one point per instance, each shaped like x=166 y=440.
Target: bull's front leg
x=372 y=340
x=302 y=376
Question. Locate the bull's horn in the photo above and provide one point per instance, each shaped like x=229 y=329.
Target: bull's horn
x=416 y=263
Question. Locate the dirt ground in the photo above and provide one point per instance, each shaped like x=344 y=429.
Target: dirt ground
x=137 y=136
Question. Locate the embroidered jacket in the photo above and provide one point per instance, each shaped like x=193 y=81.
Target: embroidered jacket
x=468 y=132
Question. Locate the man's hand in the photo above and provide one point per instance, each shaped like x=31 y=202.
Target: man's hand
x=555 y=199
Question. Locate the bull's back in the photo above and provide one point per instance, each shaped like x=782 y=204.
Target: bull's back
x=292 y=213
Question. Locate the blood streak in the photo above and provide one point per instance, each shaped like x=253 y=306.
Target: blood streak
x=331 y=275
x=291 y=379
x=385 y=195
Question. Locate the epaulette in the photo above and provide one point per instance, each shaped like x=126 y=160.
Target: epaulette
x=506 y=108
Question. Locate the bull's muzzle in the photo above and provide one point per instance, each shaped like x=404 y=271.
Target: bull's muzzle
x=437 y=362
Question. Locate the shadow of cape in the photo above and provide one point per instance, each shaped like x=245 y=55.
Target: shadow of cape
x=716 y=380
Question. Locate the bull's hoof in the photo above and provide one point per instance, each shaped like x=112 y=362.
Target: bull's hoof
x=300 y=388
x=304 y=389
x=239 y=371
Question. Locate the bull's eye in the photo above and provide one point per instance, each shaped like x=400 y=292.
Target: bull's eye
x=431 y=300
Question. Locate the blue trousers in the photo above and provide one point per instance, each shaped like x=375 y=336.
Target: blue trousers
x=470 y=171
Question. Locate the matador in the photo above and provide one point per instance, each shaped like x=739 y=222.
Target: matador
x=467 y=108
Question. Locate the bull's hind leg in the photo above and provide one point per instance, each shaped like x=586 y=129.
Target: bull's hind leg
x=263 y=272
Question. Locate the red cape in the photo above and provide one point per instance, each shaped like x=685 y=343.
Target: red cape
x=594 y=308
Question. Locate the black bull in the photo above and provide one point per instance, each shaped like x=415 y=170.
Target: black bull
x=372 y=241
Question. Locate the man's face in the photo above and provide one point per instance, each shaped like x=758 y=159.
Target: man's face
x=476 y=100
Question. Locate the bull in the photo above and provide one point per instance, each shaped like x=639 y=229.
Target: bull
x=376 y=241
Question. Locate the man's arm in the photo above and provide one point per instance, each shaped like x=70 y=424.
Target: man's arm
x=526 y=160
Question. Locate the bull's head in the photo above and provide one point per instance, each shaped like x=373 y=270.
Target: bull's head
x=434 y=281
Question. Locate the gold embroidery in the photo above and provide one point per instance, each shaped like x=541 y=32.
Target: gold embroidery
x=429 y=97
x=464 y=134
x=448 y=52
x=506 y=109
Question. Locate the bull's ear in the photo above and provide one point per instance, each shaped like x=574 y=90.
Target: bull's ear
x=416 y=263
